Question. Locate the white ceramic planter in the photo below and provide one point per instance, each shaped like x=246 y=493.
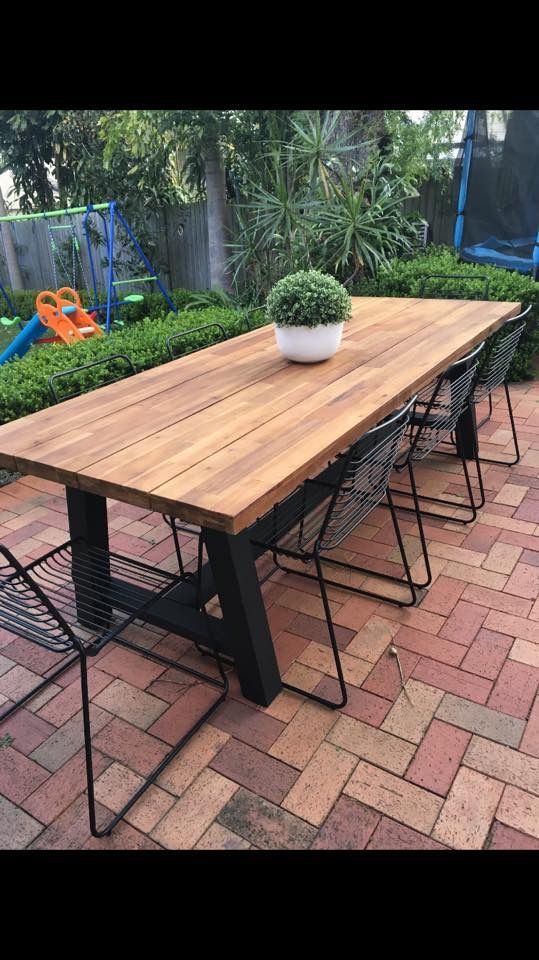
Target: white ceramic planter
x=309 y=344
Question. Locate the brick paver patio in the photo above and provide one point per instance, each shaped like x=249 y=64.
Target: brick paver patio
x=454 y=765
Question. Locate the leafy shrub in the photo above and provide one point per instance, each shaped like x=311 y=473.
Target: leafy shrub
x=153 y=305
x=208 y=298
x=23 y=382
x=308 y=298
x=403 y=278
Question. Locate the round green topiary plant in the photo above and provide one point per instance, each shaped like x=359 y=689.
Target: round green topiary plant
x=306 y=299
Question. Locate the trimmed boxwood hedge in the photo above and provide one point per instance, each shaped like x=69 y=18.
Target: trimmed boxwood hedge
x=153 y=305
x=402 y=278
x=23 y=382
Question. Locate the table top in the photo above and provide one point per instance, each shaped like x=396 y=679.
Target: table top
x=218 y=436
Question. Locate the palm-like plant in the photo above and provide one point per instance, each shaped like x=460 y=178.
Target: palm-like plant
x=364 y=226
x=306 y=208
x=318 y=149
x=273 y=224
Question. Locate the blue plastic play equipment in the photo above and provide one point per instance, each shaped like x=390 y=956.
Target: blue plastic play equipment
x=24 y=340
x=498 y=203
x=109 y=216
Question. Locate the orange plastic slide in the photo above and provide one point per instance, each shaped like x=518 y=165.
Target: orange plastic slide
x=65 y=315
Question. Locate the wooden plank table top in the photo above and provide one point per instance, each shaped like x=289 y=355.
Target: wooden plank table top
x=218 y=436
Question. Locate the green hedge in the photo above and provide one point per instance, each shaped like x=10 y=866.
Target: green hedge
x=402 y=278
x=23 y=382
x=153 y=305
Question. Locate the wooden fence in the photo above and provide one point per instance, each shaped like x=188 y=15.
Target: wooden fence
x=437 y=205
x=180 y=235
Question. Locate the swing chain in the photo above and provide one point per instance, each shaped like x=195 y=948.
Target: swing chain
x=76 y=258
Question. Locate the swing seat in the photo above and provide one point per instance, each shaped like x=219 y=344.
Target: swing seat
x=7 y=322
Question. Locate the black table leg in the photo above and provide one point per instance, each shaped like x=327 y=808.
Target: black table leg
x=466 y=434
x=233 y=566
x=87 y=514
x=246 y=633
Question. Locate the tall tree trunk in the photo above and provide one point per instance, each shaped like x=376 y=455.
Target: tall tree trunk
x=13 y=269
x=217 y=216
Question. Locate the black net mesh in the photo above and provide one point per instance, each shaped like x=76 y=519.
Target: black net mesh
x=501 y=216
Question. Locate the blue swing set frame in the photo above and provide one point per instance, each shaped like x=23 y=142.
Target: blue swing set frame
x=109 y=233
x=109 y=214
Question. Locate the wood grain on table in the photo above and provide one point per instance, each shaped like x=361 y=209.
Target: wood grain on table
x=218 y=436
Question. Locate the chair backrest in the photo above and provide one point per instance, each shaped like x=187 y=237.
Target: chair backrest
x=501 y=348
x=178 y=344
x=435 y=287
x=115 y=367
x=26 y=611
x=364 y=477
x=436 y=418
x=247 y=315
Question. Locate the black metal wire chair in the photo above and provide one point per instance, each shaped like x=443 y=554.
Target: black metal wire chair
x=76 y=599
x=120 y=364
x=318 y=516
x=459 y=291
x=434 y=417
x=441 y=291
x=247 y=315
x=494 y=371
x=178 y=343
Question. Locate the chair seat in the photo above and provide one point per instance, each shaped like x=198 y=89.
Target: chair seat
x=432 y=419
x=107 y=596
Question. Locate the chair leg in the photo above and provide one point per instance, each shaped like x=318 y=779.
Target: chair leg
x=200 y=557
x=417 y=509
x=335 y=705
x=513 y=427
x=392 y=579
x=413 y=586
x=477 y=461
x=501 y=463
x=88 y=748
x=222 y=684
x=506 y=463
x=423 y=540
x=469 y=490
x=177 y=546
x=489 y=414
x=198 y=586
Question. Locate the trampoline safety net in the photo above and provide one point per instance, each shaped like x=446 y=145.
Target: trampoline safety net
x=498 y=205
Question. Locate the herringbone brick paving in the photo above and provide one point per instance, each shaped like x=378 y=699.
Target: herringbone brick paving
x=455 y=764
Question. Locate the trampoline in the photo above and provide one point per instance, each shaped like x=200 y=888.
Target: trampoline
x=498 y=203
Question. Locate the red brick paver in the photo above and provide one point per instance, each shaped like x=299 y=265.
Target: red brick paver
x=451 y=762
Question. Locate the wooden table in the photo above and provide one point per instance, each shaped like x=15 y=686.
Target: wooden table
x=218 y=436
